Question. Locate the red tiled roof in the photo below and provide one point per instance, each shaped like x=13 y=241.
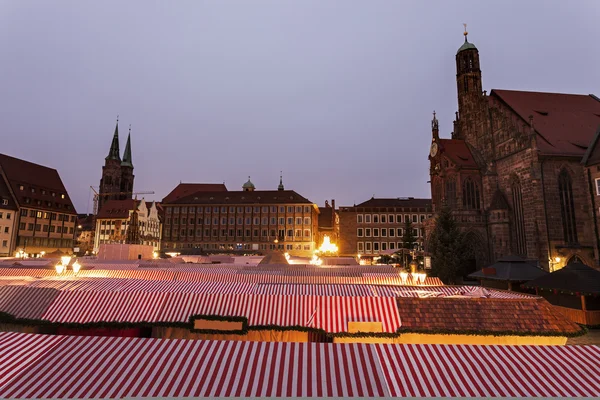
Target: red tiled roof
x=186 y=189
x=116 y=209
x=242 y=197
x=397 y=202
x=565 y=123
x=458 y=152
x=533 y=315
x=34 y=176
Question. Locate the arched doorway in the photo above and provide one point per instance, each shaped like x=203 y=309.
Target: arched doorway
x=476 y=257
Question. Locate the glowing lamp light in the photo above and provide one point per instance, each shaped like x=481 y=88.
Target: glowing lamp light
x=76 y=267
x=60 y=268
x=403 y=277
x=42 y=253
x=419 y=278
x=327 y=246
x=557 y=259
x=65 y=260
x=155 y=255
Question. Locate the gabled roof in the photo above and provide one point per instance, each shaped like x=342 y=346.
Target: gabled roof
x=522 y=316
x=186 y=189
x=243 y=197
x=565 y=123
x=396 y=202
x=510 y=268
x=39 y=178
x=458 y=152
x=575 y=277
x=117 y=209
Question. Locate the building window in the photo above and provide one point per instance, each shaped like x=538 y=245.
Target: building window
x=368 y=218
x=597 y=187
x=519 y=218
x=368 y=232
x=470 y=195
x=383 y=221
x=359 y=232
x=391 y=218
x=375 y=246
x=359 y=217
x=414 y=218
x=375 y=218
x=392 y=232
x=375 y=232
x=451 y=193
x=383 y=232
x=361 y=247
x=567 y=209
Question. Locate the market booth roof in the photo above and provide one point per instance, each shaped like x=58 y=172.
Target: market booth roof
x=573 y=278
x=41 y=366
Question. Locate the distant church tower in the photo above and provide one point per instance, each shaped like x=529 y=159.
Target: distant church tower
x=117 y=174
x=468 y=81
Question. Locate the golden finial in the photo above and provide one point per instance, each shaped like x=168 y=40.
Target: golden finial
x=466 y=33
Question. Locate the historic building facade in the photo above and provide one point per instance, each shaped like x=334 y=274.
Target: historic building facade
x=515 y=172
x=329 y=223
x=117 y=174
x=376 y=226
x=211 y=218
x=37 y=213
x=128 y=222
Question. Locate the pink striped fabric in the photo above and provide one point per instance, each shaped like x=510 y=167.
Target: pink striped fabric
x=26 y=302
x=85 y=307
x=109 y=367
x=330 y=313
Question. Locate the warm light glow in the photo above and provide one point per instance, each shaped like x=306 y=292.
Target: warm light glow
x=315 y=260
x=59 y=268
x=76 y=267
x=403 y=276
x=358 y=255
x=327 y=246
x=557 y=259
x=287 y=256
x=173 y=254
x=65 y=260
x=419 y=278
x=42 y=253
x=155 y=255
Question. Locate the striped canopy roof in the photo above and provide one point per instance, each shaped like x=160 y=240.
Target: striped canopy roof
x=40 y=366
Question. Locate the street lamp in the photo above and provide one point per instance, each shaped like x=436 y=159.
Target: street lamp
x=553 y=262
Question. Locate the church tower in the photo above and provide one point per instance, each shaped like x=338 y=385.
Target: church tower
x=127 y=170
x=111 y=171
x=468 y=82
x=117 y=174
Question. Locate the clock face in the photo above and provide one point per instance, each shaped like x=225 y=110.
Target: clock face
x=434 y=149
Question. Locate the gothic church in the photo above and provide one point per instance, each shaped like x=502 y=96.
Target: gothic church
x=521 y=172
x=117 y=175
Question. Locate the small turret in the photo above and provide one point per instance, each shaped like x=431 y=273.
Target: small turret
x=248 y=186
x=280 y=187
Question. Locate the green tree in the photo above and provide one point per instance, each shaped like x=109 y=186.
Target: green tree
x=448 y=248
x=409 y=238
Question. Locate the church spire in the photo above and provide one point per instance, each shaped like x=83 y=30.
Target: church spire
x=435 y=127
x=113 y=153
x=127 y=160
x=280 y=187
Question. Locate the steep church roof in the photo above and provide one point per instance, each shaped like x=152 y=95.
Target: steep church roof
x=127 y=160
x=113 y=153
x=565 y=123
x=458 y=152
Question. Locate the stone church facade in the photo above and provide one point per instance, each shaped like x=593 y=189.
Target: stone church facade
x=117 y=175
x=520 y=172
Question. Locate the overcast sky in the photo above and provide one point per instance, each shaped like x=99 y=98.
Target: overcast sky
x=337 y=94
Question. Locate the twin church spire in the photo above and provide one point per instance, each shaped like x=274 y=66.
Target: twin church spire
x=114 y=153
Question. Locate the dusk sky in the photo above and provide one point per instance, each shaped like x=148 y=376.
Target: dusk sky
x=337 y=94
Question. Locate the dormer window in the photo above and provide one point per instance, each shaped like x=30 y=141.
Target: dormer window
x=62 y=196
x=32 y=190
x=53 y=194
x=21 y=187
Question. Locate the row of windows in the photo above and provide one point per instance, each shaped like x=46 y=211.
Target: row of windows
x=143 y=224
x=27 y=200
x=5 y=215
x=241 y=232
x=471 y=198
x=239 y=221
x=238 y=246
x=390 y=218
x=47 y=215
x=384 y=232
x=45 y=228
x=223 y=209
x=42 y=191
x=26 y=242
x=367 y=247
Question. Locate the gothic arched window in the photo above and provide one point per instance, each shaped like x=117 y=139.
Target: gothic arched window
x=567 y=208
x=471 y=199
x=451 y=192
x=519 y=218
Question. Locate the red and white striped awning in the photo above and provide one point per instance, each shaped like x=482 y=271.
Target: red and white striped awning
x=330 y=313
x=38 y=366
